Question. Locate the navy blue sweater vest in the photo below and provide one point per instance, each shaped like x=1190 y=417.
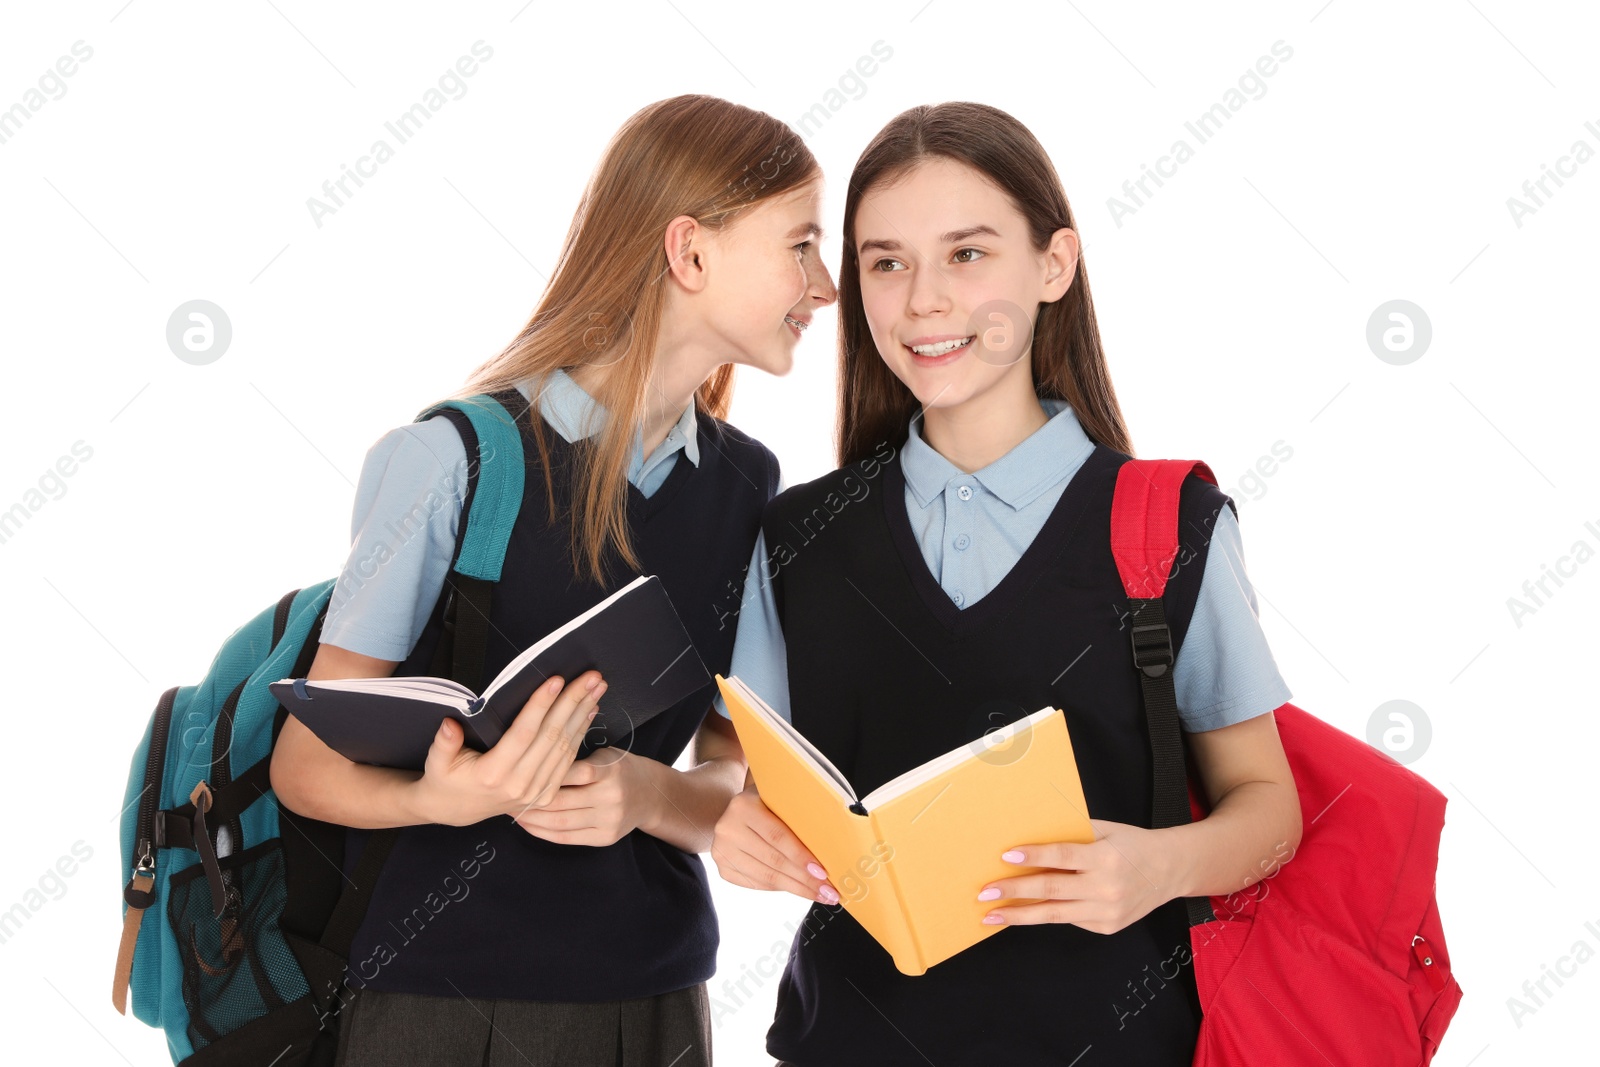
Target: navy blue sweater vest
x=885 y=673
x=490 y=910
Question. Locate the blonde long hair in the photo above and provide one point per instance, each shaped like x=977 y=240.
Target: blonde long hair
x=690 y=155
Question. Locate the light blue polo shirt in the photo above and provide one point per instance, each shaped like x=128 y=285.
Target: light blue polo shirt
x=972 y=528
x=408 y=506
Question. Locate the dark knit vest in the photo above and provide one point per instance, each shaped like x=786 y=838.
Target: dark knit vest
x=885 y=673
x=490 y=910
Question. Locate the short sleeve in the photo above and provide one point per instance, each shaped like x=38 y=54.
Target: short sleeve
x=760 y=657
x=1225 y=673
x=403 y=535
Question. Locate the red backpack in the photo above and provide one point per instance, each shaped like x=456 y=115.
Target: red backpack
x=1337 y=955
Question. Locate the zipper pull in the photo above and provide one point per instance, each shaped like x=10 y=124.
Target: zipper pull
x=146 y=863
x=139 y=894
x=1424 y=953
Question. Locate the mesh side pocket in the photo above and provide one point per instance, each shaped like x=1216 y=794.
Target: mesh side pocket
x=239 y=967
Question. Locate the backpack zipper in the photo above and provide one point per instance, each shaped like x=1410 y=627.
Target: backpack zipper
x=154 y=771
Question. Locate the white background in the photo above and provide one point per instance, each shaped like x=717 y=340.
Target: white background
x=1233 y=304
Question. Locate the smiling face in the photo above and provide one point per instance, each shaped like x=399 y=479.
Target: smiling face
x=951 y=283
x=767 y=280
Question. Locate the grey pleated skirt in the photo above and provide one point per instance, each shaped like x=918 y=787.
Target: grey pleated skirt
x=380 y=1029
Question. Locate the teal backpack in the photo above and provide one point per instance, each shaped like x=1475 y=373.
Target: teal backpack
x=238 y=915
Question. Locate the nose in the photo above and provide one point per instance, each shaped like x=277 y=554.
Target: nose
x=819 y=284
x=929 y=291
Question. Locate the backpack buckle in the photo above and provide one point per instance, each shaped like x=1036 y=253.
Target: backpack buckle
x=1152 y=648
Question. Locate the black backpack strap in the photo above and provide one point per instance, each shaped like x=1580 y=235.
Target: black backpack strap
x=1153 y=657
x=474 y=597
x=352 y=906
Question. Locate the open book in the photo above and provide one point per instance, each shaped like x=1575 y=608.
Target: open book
x=633 y=637
x=909 y=858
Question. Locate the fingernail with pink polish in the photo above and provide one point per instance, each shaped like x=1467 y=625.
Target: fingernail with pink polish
x=828 y=895
x=989 y=894
x=817 y=872
x=1014 y=856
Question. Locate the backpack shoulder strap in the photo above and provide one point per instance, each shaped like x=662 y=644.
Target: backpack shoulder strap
x=1144 y=520
x=1144 y=543
x=495 y=476
x=495 y=479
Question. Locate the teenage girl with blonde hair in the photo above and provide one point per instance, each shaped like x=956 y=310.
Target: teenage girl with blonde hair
x=585 y=934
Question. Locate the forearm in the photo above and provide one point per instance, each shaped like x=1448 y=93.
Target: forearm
x=683 y=806
x=1250 y=833
x=346 y=793
x=311 y=779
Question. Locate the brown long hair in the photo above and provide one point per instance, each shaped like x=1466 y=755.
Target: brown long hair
x=688 y=155
x=1068 y=361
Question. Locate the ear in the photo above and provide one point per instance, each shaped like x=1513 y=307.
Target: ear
x=683 y=243
x=1060 y=265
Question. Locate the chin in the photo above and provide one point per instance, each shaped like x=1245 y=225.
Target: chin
x=776 y=363
x=940 y=398
x=934 y=390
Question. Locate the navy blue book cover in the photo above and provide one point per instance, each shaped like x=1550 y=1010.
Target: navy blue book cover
x=634 y=638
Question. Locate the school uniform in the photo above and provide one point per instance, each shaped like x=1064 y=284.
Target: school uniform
x=484 y=942
x=900 y=608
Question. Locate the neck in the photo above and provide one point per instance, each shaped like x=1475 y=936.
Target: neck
x=680 y=369
x=975 y=433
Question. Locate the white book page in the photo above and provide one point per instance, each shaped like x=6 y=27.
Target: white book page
x=908 y=781
x=529 y=654
x=437 y=690
x=805 y=748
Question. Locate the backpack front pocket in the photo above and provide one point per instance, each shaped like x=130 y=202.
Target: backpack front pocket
x=236 y=967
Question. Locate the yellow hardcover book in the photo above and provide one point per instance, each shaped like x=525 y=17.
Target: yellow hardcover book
x=909 y=858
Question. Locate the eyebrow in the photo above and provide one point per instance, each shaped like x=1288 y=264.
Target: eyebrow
x=805 y=229
x=885 y=245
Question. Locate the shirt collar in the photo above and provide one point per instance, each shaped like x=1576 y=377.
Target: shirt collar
x=1045 y=457
x=577 y=415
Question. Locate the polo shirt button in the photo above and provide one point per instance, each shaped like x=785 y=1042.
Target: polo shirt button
x=958 y=598
x=965 y=492
x=963 y=541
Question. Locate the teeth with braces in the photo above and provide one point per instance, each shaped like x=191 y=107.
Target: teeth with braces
x=796 y=323
x=942 y=347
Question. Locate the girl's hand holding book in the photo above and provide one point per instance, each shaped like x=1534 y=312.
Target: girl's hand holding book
x=756 y=849
x=602 y=799
x=460 y=786
x=1103 y=886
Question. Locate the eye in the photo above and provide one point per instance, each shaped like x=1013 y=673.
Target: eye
x=878 y=266
x=961 y=251
x=802 y=246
